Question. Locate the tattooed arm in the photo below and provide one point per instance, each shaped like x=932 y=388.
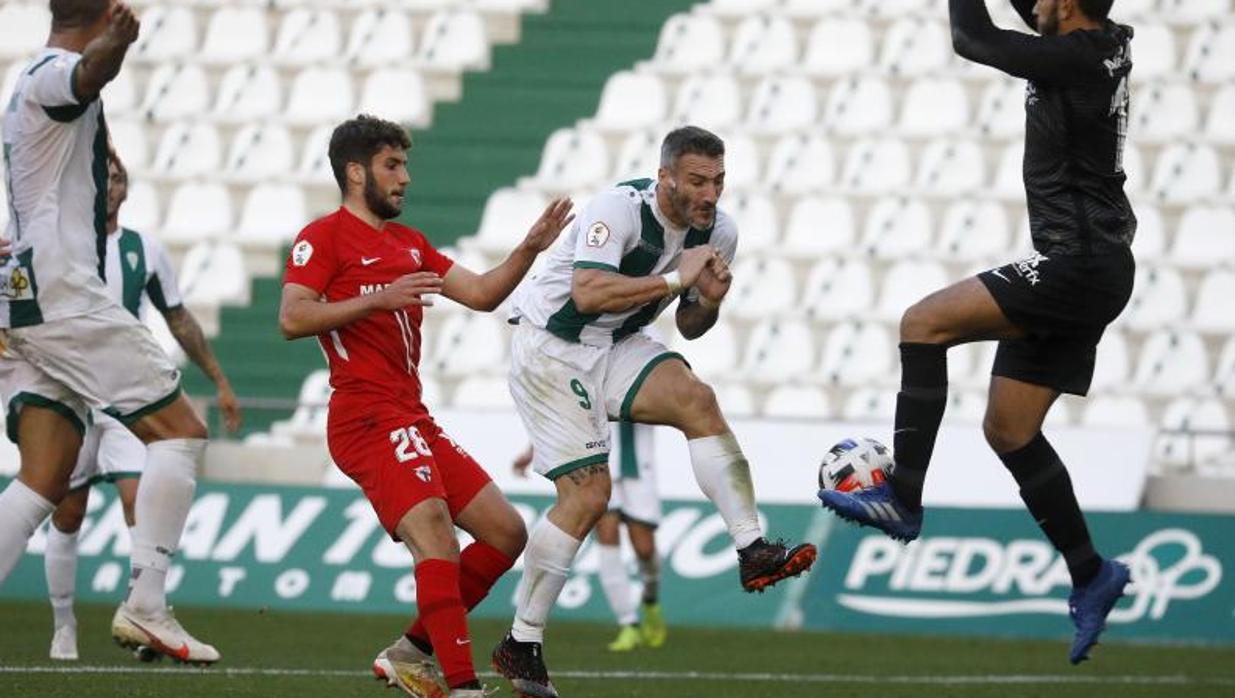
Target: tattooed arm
x=189 y=336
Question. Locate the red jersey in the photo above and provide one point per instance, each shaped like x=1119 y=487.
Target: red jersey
x=373 y=361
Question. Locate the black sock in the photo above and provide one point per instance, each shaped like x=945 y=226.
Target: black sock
x=1047 y=491
x=420 y=644
x=919 y=410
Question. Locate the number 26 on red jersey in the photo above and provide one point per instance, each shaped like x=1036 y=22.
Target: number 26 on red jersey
x=409 y=444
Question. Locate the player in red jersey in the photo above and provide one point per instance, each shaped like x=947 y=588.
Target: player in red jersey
x=359 y=282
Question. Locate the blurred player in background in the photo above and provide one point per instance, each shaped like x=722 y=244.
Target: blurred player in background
x=138 y=270
x=579 y=358
x=1049 y=311
x=634 y=502
x=70 y=346
x=359 y=282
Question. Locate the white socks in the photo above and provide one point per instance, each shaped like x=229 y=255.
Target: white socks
x=724 y=476
x=616 y=584
x=163 y=500
x=546 y=562
x=21 y=511
x=60 y=564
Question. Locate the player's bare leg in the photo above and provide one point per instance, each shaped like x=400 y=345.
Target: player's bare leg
x=652 y=624
x=616 y=583
x=672 y=395
x=60 y=566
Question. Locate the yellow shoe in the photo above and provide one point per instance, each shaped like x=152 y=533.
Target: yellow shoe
x=629 y=638
x=652 y=627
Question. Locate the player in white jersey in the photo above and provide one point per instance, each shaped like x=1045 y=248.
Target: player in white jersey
x=579 y=360
x=140 y=276
x=67 y=342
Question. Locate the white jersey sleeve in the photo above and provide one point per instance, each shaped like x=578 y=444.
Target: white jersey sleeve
x=609 y=228
x=51 y=84
x=162 y=287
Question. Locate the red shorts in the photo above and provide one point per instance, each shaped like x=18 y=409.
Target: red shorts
x=399 y=464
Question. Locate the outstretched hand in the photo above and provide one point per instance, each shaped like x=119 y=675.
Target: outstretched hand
x=551 y=223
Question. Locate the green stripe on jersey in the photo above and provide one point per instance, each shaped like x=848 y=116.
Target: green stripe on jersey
x=98 y=170
x=132 y=270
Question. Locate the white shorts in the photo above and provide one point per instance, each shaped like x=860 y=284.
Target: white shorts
x=632 y=467
x=109 y=452
x=107 y=361
x=566 y=393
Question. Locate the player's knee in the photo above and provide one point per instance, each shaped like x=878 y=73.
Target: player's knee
x=1003 y=435
x=918 y=325
x=68 y=517
x=699 y=403
x=512 y=533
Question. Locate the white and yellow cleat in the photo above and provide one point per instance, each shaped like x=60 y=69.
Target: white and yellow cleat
x=405 y=666
x=64 y=643
x=154 y=635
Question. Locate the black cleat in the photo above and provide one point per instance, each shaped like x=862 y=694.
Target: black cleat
x=762 y=564
x=524 y=664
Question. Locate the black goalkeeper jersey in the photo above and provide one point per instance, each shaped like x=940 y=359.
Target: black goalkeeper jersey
x=1076 y=118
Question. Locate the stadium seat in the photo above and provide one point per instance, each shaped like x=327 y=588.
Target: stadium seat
x=838 y=288
x=858 y=106
x=1134 y=169
x=631 y=101
x=176 y=92
x=378 y=38
x=876 y=167
x=272 y=216
x=1211 y=53
x=742 y=168
x=197 y=211
x=483 y=393
x=960 y=360
x=129 y=140
x=248 y=93
x=23 y=29
x=235 y=34
x=778 y=351
x=1192 y=432
x=119 y=95
x=689 y=43
x=870 y=405
x=1220 y=125
x=837 y=46
x=1113 y=362
x=735 y=399
x=965 y=407
x=259 y=152
x=467 y=344
x=1163 y=112
x=1150 y=240
x=315 y=161
x=714 y=355
x=307 y=37
x=1205 y=237
x=1154 y=53
x=396 y=94
x=507 y=214
x=896 y=228
x=572 y=159
x=320 y=95
x=739 y=8
x=762 y=45
x=312 y=406
x=912 y=48
x=1009 y=181
x=796 y=401
x=799 y=164
x=973 y=231
x=817 y=226
x=141 y=209
x=761 y=287
x=454 y=41
x=949 y=168
x=188 y=150
x=1211 y=312
x=857 y=354
x=1001 y=110
x=1189 y=12
x=810 y=9
x=214 y=274
x=1172 y=363
x=755 y=215
x=781 y=104
x=981 y=359
x=1115 y=412
x=168 y=33
x=897 y=8
x=1158 y=298
x=934 y=107
x=904 y=284
x=638 y=156
x=1224 y=374
x=712 y=101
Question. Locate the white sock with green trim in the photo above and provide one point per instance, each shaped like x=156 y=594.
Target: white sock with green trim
x=724 y=476
x=546 y=563
x=616 y=585
x=163 y=501
x=60 y=565
x=21 y=511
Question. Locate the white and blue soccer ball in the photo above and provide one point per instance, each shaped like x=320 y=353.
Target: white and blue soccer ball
x=855 y=464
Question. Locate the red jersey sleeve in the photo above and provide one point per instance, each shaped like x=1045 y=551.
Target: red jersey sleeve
x=434 y=260
x=312 y=261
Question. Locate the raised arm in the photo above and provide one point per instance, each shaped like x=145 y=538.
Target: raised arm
x=598 y=290
x=100 y=61
x=1048 y=59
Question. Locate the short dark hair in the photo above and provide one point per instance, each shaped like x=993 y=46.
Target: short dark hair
x=74 y=14
x=1096 y=10
x=690 y=140
x=359 y=139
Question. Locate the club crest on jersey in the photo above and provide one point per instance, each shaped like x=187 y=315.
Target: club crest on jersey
x=415 y=256
x=423 y=472
x=132 y=259
x=301 y=253
x=597 y=234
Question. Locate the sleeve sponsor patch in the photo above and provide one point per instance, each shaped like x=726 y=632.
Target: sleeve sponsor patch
x=301 y=253
x=597 y=234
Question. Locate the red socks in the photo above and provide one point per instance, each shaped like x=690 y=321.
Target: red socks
x=480 y=566
x=442 y=612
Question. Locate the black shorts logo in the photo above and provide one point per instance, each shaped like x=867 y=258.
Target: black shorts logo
x=1028 y=268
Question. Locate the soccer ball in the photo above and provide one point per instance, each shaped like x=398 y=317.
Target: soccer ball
x=855 y=464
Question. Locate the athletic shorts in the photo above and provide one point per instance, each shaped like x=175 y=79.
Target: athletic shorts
x=109 y=452
x=1065 y=304
x=107 y=360
x=566 y=393
x=632 y=467
x=400 y=462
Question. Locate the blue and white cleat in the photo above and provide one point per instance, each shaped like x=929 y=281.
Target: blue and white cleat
x=875 y=506
x=1088 y=606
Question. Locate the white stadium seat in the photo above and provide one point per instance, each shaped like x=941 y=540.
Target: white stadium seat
x=454 y=41
x=1155 y=51
x=469 y=343
x=273 y=214
x=1188 y=12
x=1113 y=362
x=572 y=159
x=755 y=215
x=689 y=43
x=778 y=351
x=838 y=47
x=1224 y=373
x=973 y=231
x=1220 y=125
x=796 y=401
x=1001 y=110
x=168 y=33
x=320 y=95
x=188 y=150
x=307 y=36
x=23 y=28
x=396 y=94
x=870 y=405
x=638 y=156
x=141 y=209
x=761 y=287
x=483 y=393
x=176 y=91
x=912 y=47
x=781 y=104
x=1211 y=53
x=810 y=9
x=214 y=274
x=896 y=227
x=950 y=168
x=934 y=107
x=1115 y=412
x=1134 y=169
x=259 y=152
x=508 y=213
x=1177 y=446
x=817 y=226
x=631 y=101
x=905 y=283
x=838 y=288
x=129 y=140
x=1163 y=112
x=312 y=407
x=799 y=164
x=857 y=354
x=763 y=44
x=1205 y=237
x=248 y=93
x=858 y=106
x=742 y=168
x=197 y=211
x=315 y=161
x=714 y=355
x=1150 y=240
x=739 y=8
x=379 y=38
x=876 y=167
x=120 y=95
x=1158 y=298
x=1212 y=311
x=235 y=34
x=711 y=101
x=1172 y=363
x=1009 y=182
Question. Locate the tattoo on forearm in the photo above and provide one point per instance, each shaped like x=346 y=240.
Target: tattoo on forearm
x=189 y=336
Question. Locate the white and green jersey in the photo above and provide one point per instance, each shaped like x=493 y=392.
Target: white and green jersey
x=622 y=230
x=138 y=266
x=55 y=156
